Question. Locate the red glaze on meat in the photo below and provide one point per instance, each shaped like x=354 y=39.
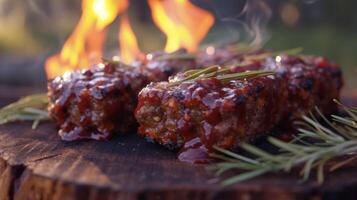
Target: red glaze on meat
x=195 y=116
x=100 y=102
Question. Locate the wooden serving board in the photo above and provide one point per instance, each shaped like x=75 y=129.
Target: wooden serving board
x=36 y=164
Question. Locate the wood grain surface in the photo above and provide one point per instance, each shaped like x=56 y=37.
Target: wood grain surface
x=37 y=165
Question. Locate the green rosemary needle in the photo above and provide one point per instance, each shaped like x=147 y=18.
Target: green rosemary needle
x=111 y=61
x=242 y=75
x=220 y=73
x=30 y=108
x=175 y=56
x=332 y=139
x=264 y=55
x=115 y=62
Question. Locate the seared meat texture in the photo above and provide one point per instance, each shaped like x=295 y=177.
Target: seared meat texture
x=100 y=102
x=205 y=112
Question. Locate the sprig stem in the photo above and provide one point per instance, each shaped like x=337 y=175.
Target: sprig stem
x=30 y=108
x=220 y=73
x=336 y=139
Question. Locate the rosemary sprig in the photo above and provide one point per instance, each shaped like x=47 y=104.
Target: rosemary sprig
x=294 y=51
x=30 y=108
x=111 y=61
x=244 y=48
x=243 y=75
x=115 y=62
x=175 y=56
x=332 y=140
x=264 y=55
x=220 y=73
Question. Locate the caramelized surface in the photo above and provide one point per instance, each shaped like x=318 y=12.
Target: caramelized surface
x=194 y=116
x=100 y=102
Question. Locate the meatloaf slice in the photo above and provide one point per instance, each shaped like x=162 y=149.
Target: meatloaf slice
x=100 y=102
x=206 y=111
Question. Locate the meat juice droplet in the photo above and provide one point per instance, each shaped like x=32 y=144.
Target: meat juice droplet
x=194 y=152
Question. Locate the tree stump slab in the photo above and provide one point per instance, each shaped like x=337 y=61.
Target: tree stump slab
x=37 y=165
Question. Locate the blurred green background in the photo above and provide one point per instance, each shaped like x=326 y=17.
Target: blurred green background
x=31 y=30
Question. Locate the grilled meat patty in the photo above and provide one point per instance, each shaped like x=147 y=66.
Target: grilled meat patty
x=205 y=112
x=100 y=102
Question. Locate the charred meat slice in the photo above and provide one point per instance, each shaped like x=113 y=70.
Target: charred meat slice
x=100 y=102
x=210 y=112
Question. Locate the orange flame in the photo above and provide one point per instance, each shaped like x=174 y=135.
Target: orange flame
x=129 y=49
x=184 y=24
x=84 y=46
